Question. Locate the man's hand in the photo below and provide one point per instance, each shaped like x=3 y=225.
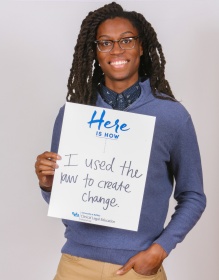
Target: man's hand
x=146 y=262
x=45 y=168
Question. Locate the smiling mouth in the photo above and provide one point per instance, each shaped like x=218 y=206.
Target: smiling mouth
x=117 y=63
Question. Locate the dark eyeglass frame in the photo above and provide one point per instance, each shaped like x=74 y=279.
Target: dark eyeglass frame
x=118 y=41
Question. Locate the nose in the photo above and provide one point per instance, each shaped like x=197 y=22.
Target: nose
x=116 y=48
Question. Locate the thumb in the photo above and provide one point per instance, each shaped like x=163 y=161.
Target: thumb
x=126 y=267
x=44 y=179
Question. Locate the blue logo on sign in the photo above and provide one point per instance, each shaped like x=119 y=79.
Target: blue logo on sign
x=75 y=214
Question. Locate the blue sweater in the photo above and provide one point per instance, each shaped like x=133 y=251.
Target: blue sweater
x=174 y=166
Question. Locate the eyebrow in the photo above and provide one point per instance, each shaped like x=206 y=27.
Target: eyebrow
x=122 y=34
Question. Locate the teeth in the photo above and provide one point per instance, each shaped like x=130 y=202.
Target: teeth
x=119 y=62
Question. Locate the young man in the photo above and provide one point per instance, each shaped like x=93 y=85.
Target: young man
x=119 y=64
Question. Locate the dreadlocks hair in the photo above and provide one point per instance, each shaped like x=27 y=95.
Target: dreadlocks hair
x=86 y=74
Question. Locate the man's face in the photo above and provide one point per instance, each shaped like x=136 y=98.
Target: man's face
x=119 y=65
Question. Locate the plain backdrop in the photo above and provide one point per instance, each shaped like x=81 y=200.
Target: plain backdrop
x=37 y=41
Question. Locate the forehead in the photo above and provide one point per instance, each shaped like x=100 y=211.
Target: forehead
x=116 y=27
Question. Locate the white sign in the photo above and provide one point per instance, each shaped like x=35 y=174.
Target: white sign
x=101 y=177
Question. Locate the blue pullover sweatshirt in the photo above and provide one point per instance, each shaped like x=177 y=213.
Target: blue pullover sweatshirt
x=174 y=166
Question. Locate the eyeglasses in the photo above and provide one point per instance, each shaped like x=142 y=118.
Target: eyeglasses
x=127 y=43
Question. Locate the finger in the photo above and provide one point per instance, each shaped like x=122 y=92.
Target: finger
x=45 y=165
x=51 y=155
x=47 y=172
x=129 y=265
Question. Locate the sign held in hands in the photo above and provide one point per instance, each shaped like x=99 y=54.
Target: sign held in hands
x=102 y=174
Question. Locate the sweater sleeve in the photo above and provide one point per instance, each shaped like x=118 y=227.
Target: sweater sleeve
x=55 y=144
x=189 y=194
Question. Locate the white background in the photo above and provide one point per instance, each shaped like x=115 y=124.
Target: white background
x=37 y=40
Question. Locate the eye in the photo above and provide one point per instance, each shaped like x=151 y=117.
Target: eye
x=105 y=43
x=126 y=41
